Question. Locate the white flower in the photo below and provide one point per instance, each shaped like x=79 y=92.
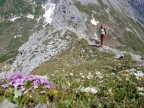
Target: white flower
x=141 y=93
x=140 y=88
x=83 y=76
x=52 y=74
x=30 y=96
x=100 y=76
x=139 y=74
x=5 y=66
x=89 y=90
x=71 y=74
x=110 y=90
x=66 y=75
x=68 y=84
x=89 y=76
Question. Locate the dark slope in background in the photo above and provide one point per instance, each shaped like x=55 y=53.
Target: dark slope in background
x=138 y=8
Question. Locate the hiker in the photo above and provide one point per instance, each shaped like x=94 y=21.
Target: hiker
x=103 y=33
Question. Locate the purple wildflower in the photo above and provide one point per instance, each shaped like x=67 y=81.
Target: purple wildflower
x=42 y=81
x=5 y=86
x=8 y=77
x=32 y=78
x=17 y=75
x=17 y=82
x=48 y=86
x=19 y=79
x=35 y=84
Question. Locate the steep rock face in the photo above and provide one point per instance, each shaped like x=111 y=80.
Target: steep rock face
x=67 y=15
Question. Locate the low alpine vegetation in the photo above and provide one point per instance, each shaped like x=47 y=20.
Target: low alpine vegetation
x=23 y=89
x=73 y=90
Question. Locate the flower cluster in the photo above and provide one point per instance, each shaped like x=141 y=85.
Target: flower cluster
x=23 y=81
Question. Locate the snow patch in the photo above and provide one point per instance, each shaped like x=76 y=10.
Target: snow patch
x=94 y=22
x=13 y=19
x=30 y=16
x=38 y=19
x=17 y=36
x=49 y=10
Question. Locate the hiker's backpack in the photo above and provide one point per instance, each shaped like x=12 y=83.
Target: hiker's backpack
x=106 y=30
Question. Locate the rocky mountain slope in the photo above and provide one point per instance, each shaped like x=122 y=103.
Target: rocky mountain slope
x=51 y=26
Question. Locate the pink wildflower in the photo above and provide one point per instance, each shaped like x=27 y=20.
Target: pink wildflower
x=5 y=86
